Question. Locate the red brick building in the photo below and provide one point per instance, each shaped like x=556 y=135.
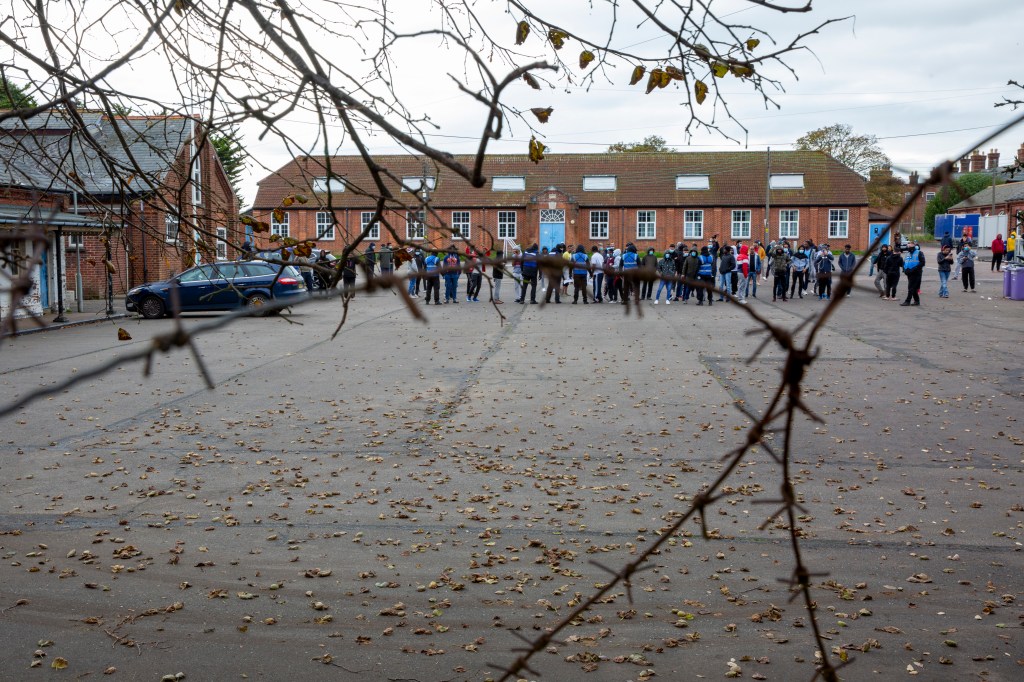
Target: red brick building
x=652 y=200
x=149 y=193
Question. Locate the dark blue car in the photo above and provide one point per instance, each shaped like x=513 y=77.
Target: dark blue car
x=218 y=286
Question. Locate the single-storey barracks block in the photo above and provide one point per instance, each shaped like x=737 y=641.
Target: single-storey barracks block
x=610 y=199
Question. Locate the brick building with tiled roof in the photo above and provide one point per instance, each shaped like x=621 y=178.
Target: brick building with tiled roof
x=650 y=199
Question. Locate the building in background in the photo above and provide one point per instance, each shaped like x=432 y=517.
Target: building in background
x=137 y=198
x=650 y=199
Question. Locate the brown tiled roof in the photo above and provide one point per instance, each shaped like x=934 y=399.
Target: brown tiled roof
x=643 y=180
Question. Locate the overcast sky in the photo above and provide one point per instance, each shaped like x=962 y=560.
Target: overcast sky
x=921 y=76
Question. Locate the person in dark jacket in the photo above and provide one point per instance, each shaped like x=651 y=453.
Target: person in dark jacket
x=878 y=262
x=780 y=268
x=893 y=266
x=726 y=272
x=650 y=266
x=690 y=271
x=944 y=262
x=497 y=276
x=824 y=266
x=680 y=254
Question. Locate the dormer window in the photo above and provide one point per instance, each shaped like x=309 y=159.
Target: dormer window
x=325 y=185
x=599 y=183
x=415 y=183
x=509 y=183
x=786 y=181
x=693 y=181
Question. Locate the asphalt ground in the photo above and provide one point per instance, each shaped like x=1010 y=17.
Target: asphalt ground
x=401 y=501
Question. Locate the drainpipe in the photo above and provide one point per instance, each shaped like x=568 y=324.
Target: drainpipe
x=59 y=254
x=78 y=262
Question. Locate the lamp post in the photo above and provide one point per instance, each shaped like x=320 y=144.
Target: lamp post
x=59 y=255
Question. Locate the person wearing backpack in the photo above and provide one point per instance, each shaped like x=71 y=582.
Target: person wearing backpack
x=529 y=268
x=913 y=266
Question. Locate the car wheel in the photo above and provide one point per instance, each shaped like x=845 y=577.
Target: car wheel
x=257 y=301
x=151 y=308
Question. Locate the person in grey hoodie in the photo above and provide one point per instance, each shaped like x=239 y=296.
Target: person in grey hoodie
x=847 y=262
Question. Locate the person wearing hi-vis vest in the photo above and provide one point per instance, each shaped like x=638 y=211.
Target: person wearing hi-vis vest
x=913 y=266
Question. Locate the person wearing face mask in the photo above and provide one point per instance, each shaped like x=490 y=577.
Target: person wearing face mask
x=780 y=266
x=666 y=273
x=913 y=266
x=800 y=263
x=690 y=272
x=650 y=265
x=597 y=268
x=753 y=272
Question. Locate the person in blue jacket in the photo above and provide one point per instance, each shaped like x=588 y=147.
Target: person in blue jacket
x=706 y=275
x=529 y=271
x=630 y=267
x=580 y=270
x=431 y=267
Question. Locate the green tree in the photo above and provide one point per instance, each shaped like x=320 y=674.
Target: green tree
x=885 y=191
x=13 y=96
x=232 y=156
x=651 y=143
x=965 y=186
x=859 y=153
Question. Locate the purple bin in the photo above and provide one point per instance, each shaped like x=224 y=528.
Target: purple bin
x=1017 y=292
x=1008 y=282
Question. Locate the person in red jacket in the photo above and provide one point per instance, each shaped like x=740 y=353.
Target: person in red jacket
x=998 y=249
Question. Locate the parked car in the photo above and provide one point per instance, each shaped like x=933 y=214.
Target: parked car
x=218 y=286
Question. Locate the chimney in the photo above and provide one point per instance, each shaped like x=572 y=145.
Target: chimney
x=977 y=161
x=965 y=164
x=993 y=159
x=913 y=181
x=1020 y=154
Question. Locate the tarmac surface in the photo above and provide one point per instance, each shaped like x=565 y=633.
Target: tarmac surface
x=400 y=502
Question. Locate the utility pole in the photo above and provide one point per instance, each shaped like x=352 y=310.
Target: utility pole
x=767 y=196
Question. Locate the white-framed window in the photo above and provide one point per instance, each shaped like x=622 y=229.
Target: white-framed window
x=196 y=173
x=415 y=182
x=222 y=243
x=171 y=224
x=414 y=225
x=324 y=226
x=928 y=196
x=325 y=185
x=741 y=224
x=280 y=228
x=599 y=224
x=508 y=183
x=76 y=241
x=646 y=223
x=506 y=224
x=789 y=223
x=364 y=219
x=460 y=224
x=786 y=181
x=838 y=223
x=599 y=183
x=691 y=181
x=693 y=224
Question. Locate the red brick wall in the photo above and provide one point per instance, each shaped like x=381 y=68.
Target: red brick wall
x=621 y=229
